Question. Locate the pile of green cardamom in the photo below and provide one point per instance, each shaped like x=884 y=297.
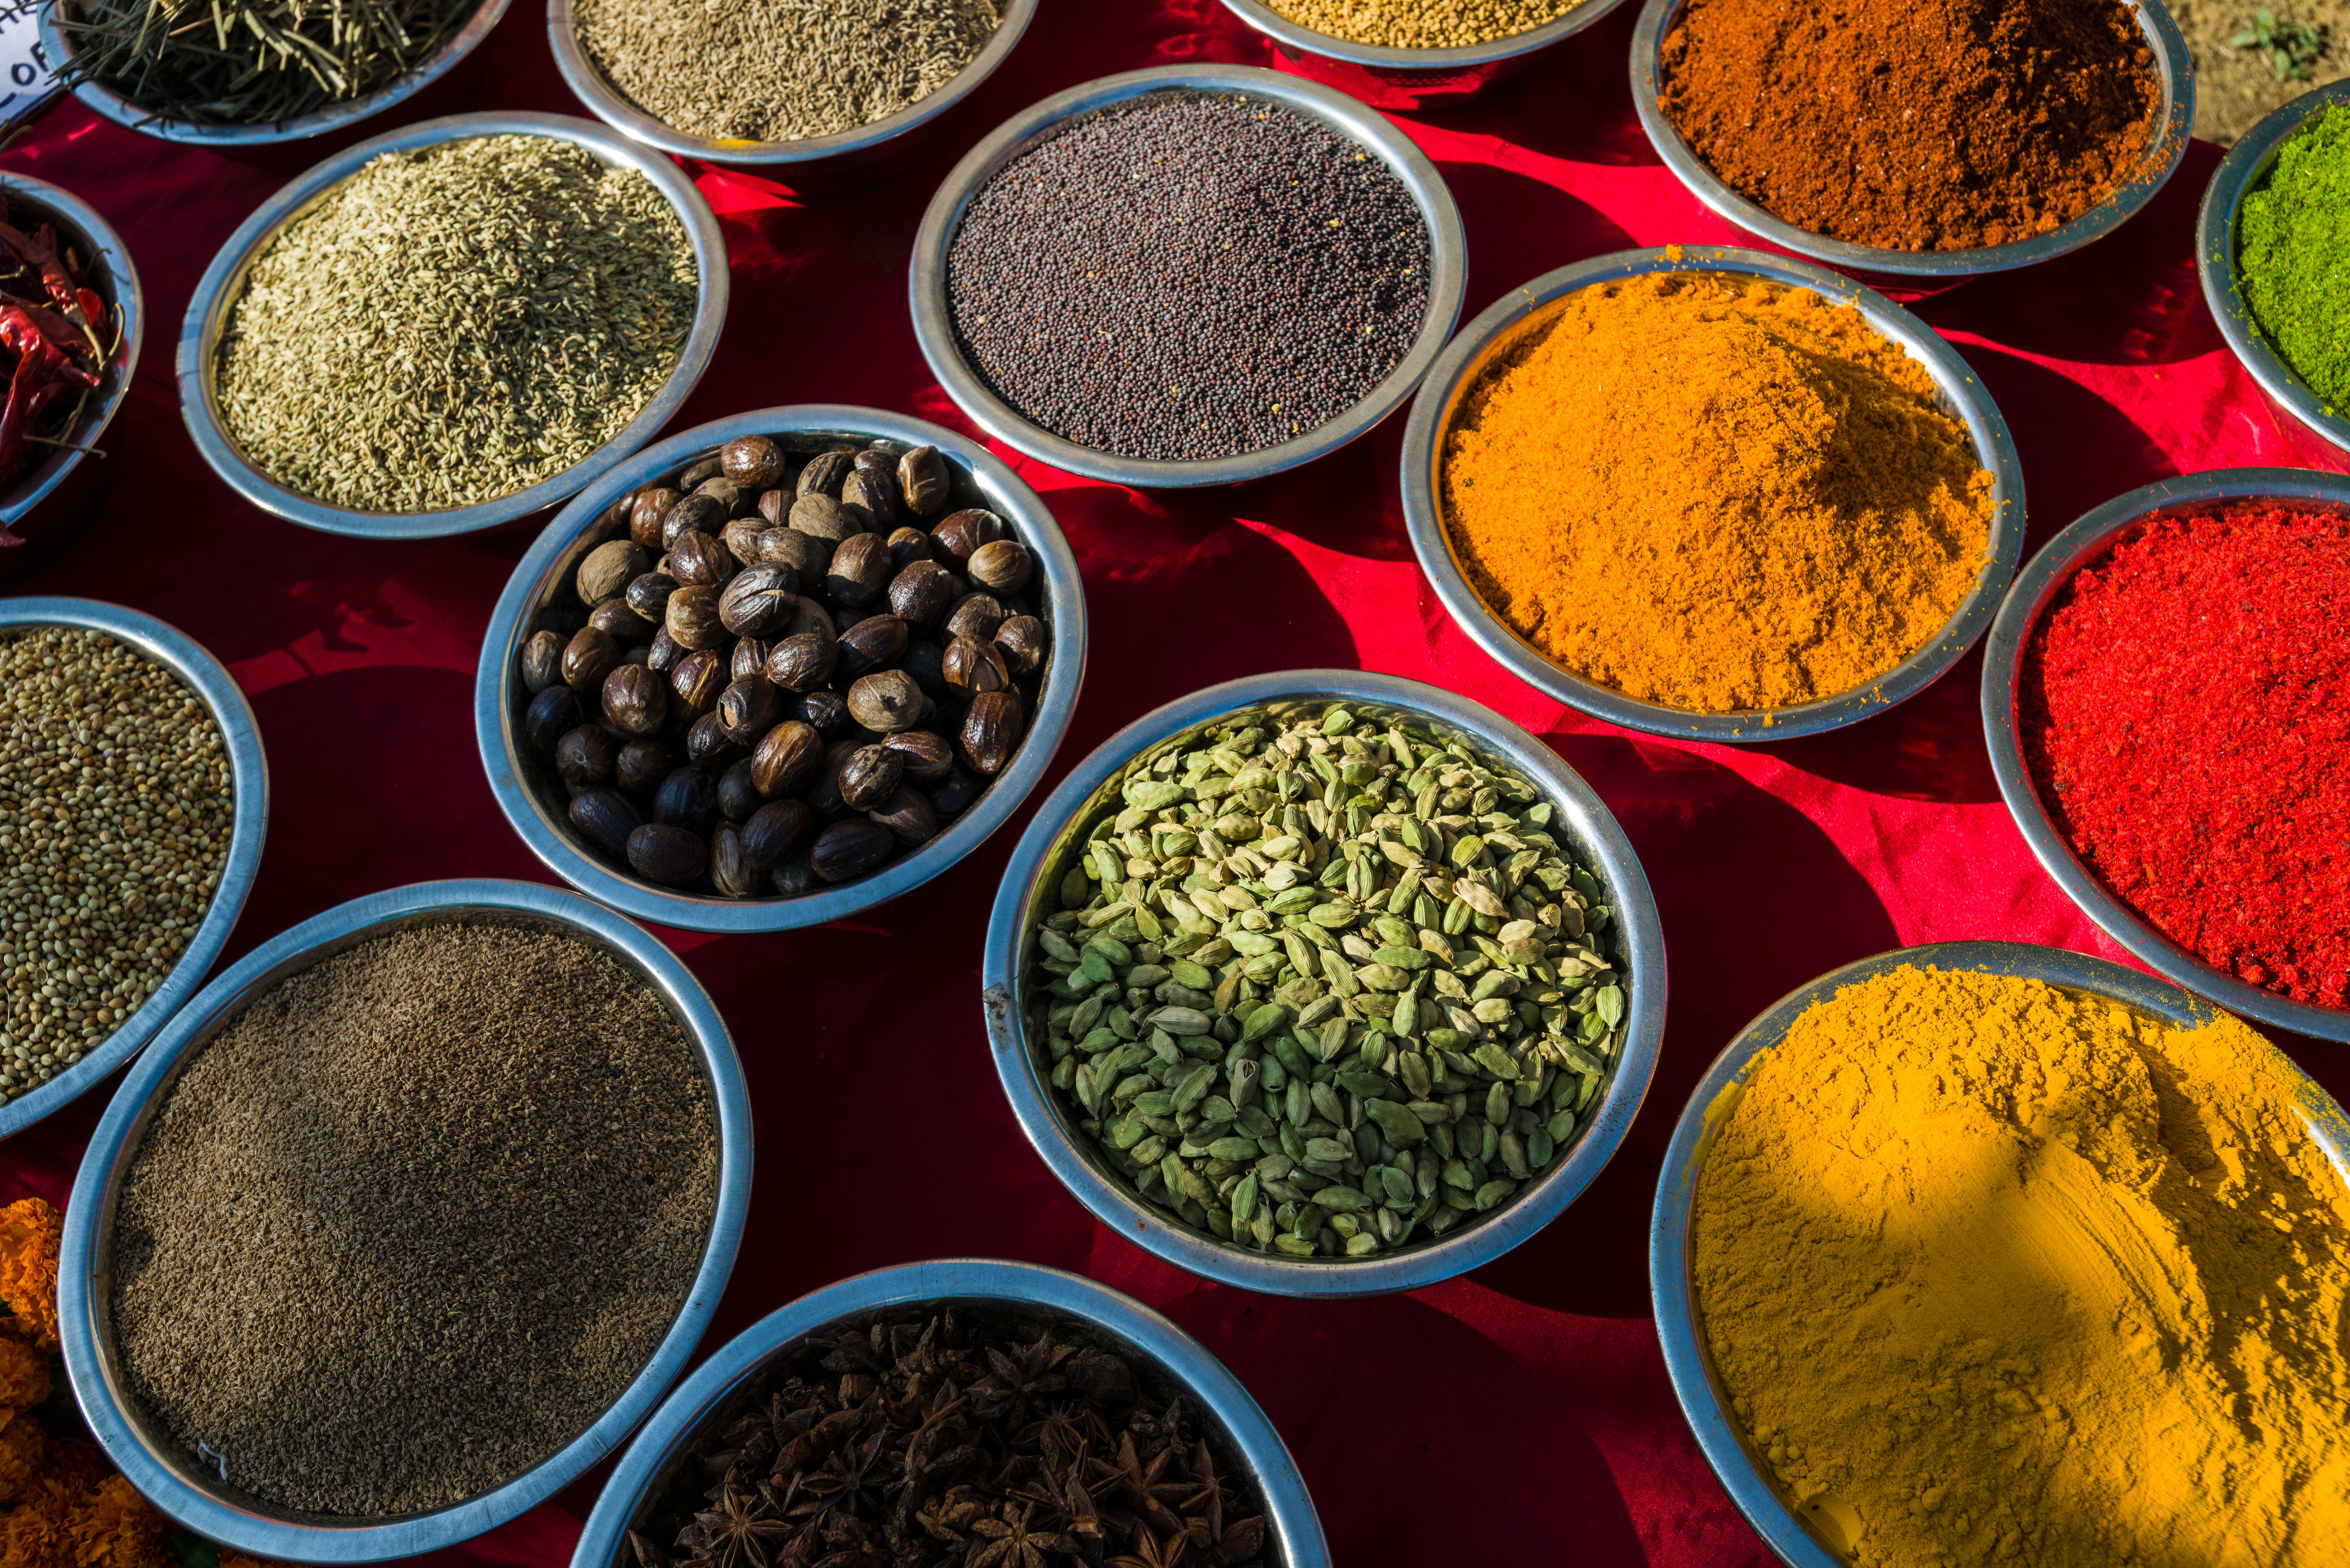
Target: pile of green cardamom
x=1321 y=989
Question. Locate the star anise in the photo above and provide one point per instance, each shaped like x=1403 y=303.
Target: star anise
x=738 y=1529
x=1147 y=1552
x=1011 y=1543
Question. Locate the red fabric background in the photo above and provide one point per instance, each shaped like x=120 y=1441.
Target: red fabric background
x=1520 y=1415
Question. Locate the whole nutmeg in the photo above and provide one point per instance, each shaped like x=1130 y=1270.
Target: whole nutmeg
x=1022 y=640
x=926 y=661
x=605 y=818
x=636 y=700
x=923 y=478
x=552 y=715
x=804 y=553
x=648 y=594
x=825 y=798
x=585 y=757
x=848 y=850
x=607 y=570
x=879 y=458
x=741 y=537
x=688 y=798
x=971 y=667
x=697 y=681
x=759 y=601
x=775 y=830
x=907 y=545
x=859 y=572
x=701 y=469
x=749 y=708
x=922 y=591
x=542 y=662
x=707 y=746
x=824 y=518
x=977 y=615
x=726 y=492
x=700 y=560
x=738 y=796
x=752 y=461
x=991 y=730
x=875 y=491
x=691 y=618
x=824 y=473
x=909 y=814
x=670 y=856
x=953 y=797
x=653 y=503
x=587 y=658
x=825 y=712
x=615 y=621
x=695 y=513
x=794 y=878
x=885 y=702
x=774 y=505
x=809 y=615
x=804 y=663
x=1004 y=567
x=640 y=655
x=960 y=532
x=749 y=658
x=642 y=765
x=873 y=644
x=787 y=759
x=869 y=776
x=661 y=657
x=927 y=757
x=730 y=869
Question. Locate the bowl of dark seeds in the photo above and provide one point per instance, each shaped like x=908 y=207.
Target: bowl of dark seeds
x=451 y=327
x=1005 y=1414
x=1325 y=983
x=781 y=668
x=405 y=1221
x=1191 y=276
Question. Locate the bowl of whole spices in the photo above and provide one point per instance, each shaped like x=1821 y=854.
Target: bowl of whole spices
x=2162 y=696
x=1416 y=53
x=2270 y=244
x=781 y=668
x=452 y=326
x=1923 y=144
x=1272 y=286
x=405 y=1221
x=133 y=802
x=1982 y=1252
x=1037 y=1418
x=1325 y=983
x=821 y=94
x=1713 y=494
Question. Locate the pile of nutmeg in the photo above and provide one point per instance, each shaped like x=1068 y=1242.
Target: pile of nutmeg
x=785 y=669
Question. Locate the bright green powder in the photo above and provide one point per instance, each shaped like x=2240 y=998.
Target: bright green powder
x=2292 y=256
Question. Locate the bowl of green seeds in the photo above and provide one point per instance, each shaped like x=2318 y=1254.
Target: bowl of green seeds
x=452 y=327
x=1325 y=983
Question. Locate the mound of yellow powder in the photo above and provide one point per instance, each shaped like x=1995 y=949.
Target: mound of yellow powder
x=1998 y=1273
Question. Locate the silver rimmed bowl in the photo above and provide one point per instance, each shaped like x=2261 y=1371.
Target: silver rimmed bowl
x=203 y=674
x=934 y=317
x=223 y=284
x=1058 y=835
x=193 y=1494
x=1743 y=1472
x=1168 y=1361
x=104 y=101
x=55 y=492
x=1963 y=397
x=2247 y=164
x=2003 y=663
x=1924 y=270
x=1398 y=78
x=534 y=798
x=820 y=162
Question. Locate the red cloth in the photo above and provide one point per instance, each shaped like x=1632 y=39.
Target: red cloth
x=1517 y=1416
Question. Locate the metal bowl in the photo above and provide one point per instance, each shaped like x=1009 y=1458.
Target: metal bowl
x=1963 y=397
x=203 y=674
x=935 y=324
x=2165 y=146
x=1056 y=835
x=821 y=162
x=56 y=491
x=194 y=1495
x=2019 y=618
x=1745 y=1476
x=1178 y=1363
x=104 y=101
x=1407 y=79
x=534 y=798
x=2247 y=164
x=223 y=284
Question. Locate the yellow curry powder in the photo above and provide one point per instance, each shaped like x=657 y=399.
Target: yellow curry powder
x=1714 y=493
x=1996 y=1273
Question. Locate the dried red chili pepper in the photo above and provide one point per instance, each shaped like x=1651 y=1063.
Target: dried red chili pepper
x=2186 y=712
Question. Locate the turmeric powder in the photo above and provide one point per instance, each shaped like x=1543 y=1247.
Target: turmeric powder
x=1999 y=1273
x=1714 y=493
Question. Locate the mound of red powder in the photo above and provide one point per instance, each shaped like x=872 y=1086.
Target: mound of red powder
x=2186 y=714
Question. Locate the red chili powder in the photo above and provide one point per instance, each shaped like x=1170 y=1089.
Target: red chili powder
x=2188 y=697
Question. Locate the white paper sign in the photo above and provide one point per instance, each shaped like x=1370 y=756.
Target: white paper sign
x=24 y=64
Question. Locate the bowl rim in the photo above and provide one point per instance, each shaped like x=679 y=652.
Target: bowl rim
x=1285 y=30
x=106 y=253
x=1289 y=1507
x=111 y=1148
x=1599 y=837
x=222 y=286
x=607 y=103
x=196 y=669
x=1709 y=1106
x=934 y=319
x=2246 y=162
x=105 y=102
x=1449 y=382
x=2035 y=589
x=1057 y=702
x=2166 y=148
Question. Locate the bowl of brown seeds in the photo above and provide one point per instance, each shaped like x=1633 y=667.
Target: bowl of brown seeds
x=405 y=1221
x=133 y=802
x=1047 y=1419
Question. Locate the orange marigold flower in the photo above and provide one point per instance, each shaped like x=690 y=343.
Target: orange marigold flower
x=22 y=1445
x=29 y=1232
x=33 y=1534
x=229 y=1559
x=114 y=1527
x=24 y=1375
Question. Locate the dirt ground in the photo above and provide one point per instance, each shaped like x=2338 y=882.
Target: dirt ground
x=2235 y=88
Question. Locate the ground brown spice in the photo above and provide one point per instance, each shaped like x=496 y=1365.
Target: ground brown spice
x=415 y=1219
